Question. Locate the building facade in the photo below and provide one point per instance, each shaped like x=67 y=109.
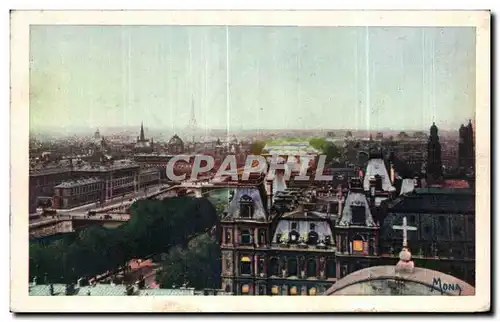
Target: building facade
x=104 y=182
x=301 y=240
x=75 y=193
x=42 y=182
x=444 y=238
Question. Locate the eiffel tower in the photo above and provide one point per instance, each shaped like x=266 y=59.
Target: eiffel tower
x=192 y=127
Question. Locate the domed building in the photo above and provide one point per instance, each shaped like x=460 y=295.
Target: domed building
x=175 y=145
x=401 y=279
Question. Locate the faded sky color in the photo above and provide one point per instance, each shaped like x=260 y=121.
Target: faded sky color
x=251 y=77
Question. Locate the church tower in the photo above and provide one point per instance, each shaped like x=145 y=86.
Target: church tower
x=461 y=146
x=434 y=164
x=469 y=146
x=141 y=137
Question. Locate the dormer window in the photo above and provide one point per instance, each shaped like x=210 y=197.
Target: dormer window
x=246 y=207
x=293 y=236
x=312 y=236
x=278 y=237
x=358 y=215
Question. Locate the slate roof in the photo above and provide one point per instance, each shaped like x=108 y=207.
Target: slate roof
x=254 y=193
x=402 y=169
x=435 y=200
x=166 y=292
x=44 y=290
x=78 y=183
x=284 y=226
x=377 y=167
x=105 y=290
x=279 y=185
x=407 y=186
x=356 y=199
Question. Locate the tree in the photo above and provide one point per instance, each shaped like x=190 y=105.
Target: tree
x=198 y=264
x=220 y=207
x=155 y=226
x=331 y=151
x=317 y=143
x=257 y=147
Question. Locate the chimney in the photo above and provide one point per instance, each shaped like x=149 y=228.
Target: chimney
x=373 y=187
x=339 y=200
x=269 y=190
x=378 y=183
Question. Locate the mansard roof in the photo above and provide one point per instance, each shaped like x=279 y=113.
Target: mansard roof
x=436 y=200
x=407 y=186
x=301 y=213
x=377 y=167
x=321 y=222
x=259 y=209
x=356 y=199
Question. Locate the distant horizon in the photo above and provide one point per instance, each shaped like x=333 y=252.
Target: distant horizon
x=246 y=78
x=339 y=132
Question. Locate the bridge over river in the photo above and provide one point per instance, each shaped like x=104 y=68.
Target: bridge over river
x=116 y=212
x=60 y=224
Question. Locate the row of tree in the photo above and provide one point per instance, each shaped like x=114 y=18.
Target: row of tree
x=198 y=265
x=154 y=227
x=327 y=148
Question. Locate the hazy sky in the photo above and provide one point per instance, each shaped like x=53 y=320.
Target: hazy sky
x=251 y=77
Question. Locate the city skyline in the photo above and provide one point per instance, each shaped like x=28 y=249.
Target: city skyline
x=279 y=78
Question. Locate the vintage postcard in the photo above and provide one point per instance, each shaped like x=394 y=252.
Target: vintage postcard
x=232 y=161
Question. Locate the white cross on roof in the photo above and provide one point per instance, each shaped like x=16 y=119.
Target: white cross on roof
x=405 y=229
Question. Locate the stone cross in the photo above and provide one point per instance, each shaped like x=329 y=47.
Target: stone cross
x=405 y=229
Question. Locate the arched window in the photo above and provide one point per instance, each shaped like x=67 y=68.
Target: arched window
x=311 y=267
x=260 y=266
x=246 y=237
x=331 y=269
x=245 y=265
x=274 y=267
x=228 y=236
x=262 y=237
x=358 y=244
x=293 y=235
x=312 y=236
x=227 y=289
x=246 y=207
x=292 y=267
